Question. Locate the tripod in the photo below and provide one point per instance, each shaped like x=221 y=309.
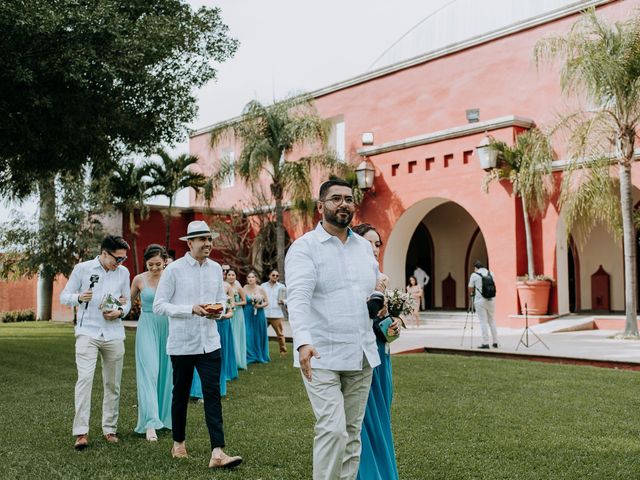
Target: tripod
x=524 y=339
x=469 y=322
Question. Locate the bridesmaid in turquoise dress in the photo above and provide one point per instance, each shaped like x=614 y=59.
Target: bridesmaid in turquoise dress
x=378 y=458
x=228 y=366
x=153 y=365
x=237 y=321
x=255 y=321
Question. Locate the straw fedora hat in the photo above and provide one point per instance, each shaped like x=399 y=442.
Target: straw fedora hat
x=198 y=228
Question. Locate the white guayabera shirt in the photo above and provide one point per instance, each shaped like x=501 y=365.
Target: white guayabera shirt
x=183 y=284
x=328 y=284
x=90 y=320
x=274 y=309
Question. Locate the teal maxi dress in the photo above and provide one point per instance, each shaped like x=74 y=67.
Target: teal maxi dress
x=228 y=366
x=239 y=334
x=153 y=367
x=257 y=339
x=378 y=458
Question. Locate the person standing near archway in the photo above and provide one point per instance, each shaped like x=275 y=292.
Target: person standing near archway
x=423 y=279
x=484 y=302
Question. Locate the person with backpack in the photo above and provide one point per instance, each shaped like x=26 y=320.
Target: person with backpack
x=482 y=289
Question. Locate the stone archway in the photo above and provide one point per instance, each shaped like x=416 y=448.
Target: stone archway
x=456 y=241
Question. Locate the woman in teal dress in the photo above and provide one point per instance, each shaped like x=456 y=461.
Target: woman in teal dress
x=237 y=321
x=228 y=366
x=255 y=321
x=378 y=458
x=153 y=365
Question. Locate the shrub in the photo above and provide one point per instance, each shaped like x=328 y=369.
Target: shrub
x=17 y=316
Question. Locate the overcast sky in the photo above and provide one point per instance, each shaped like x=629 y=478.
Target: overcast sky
x=300 y=45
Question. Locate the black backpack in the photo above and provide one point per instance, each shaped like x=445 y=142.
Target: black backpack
x=488 y=286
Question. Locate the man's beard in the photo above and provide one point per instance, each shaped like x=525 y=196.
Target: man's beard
x=336 y=221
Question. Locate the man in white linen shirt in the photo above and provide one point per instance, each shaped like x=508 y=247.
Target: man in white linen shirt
x=330 y=274
x=99 y=333
x=185 y=289
x=276 y=293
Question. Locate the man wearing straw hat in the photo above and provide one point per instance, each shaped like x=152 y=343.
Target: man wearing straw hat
x=191 y=294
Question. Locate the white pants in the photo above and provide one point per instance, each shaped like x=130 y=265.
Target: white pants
x=486 y=316
x=338 y=400
x=111 y=356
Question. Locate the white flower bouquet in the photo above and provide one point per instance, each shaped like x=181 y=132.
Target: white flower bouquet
x=399 y=303
x=255 y=301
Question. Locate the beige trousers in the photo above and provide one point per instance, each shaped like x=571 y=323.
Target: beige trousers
x=276 y=323
x=338 y=399
x=111 y=356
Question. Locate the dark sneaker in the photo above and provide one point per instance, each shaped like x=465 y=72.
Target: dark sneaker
x=495 y=345
x=484 y=346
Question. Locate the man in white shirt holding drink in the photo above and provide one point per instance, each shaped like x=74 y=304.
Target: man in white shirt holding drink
x=191 y=294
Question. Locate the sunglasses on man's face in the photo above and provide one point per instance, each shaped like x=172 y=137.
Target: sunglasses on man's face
x=117 y=259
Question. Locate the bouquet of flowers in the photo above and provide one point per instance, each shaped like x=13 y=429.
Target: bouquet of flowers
x=255 y=301
x=399 y=303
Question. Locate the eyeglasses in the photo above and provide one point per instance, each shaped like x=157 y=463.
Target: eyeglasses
x=117 y=259
x=275 y=275
x=338 y=199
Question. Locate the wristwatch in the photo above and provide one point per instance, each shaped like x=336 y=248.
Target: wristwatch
x=121 y=312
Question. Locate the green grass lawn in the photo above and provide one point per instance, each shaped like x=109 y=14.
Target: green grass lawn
x=453 y=418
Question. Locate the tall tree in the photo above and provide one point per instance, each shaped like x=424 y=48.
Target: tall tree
x=129 y=189
x=600 y=65
x=61 y=238
x=170 y=176
x=268 y=136
x=84 y=81
x=527 y=166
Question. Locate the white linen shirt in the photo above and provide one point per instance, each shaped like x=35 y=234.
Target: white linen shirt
x=115 y=282
x=183 y=284
x=273 y=310
x=328 y=284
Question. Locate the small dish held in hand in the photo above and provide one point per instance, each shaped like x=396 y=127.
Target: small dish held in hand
x=213 y=308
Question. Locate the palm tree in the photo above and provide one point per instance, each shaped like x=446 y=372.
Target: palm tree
x=600 y=64
x=171 y=176
x=268 y=135
x=129 y=188
x=527 y=166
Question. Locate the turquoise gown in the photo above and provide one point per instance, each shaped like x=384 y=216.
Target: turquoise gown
x=378 y=458
x=153 y=367
x=257 y=339
x=239 y=334
x=228 y=367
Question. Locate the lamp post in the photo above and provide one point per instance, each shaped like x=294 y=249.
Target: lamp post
x=487 y=155
x=364 y=174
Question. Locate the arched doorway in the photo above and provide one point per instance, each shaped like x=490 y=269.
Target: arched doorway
x=420 y=255
x=444 y=239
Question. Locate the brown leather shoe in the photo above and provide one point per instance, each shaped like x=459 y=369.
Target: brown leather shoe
x=111 y=438
x=82 y=442
x=223 y=460
x=179 y=451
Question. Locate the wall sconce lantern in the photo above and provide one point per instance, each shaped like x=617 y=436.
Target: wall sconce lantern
x=364 y=174
x=487 y=155
x=367 y=138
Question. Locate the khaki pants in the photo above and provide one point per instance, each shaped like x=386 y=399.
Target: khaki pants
x=338 y=399
x=276 y=323
x=111 y=356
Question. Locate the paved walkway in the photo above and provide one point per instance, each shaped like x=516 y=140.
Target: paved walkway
x=583 y=346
